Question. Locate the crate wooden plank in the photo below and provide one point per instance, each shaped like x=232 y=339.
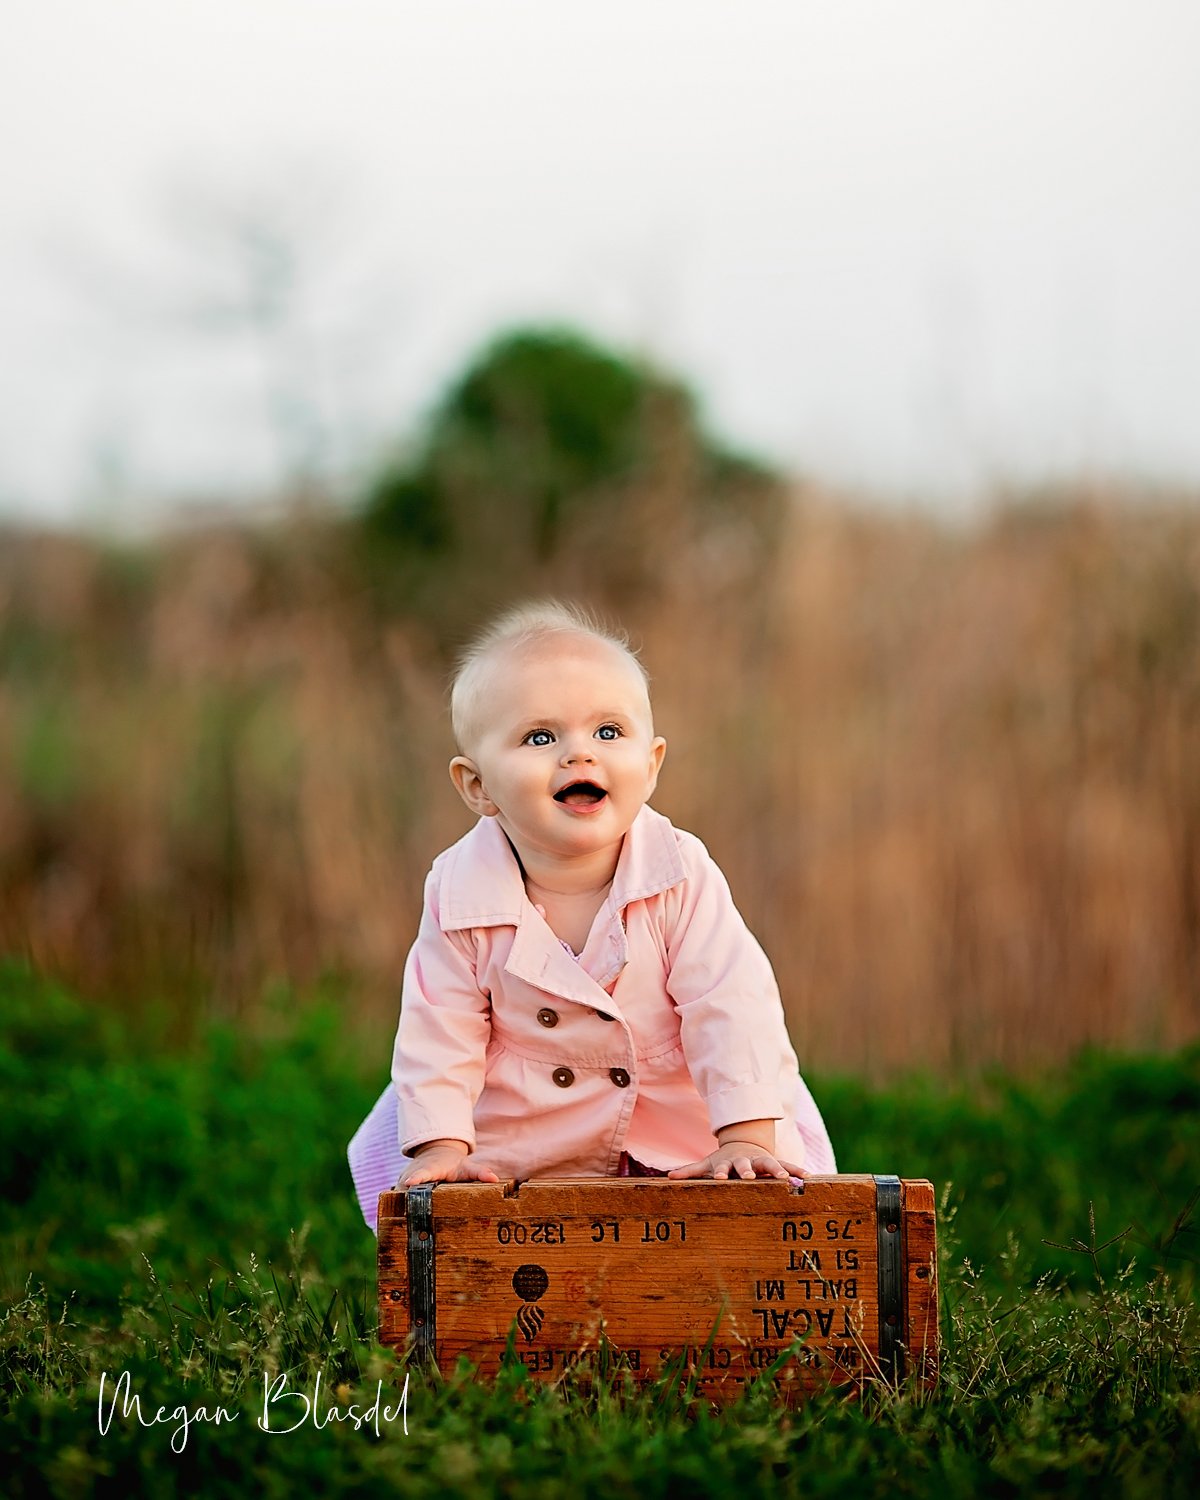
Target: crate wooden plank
x=723 y=1277
x=921 y=1261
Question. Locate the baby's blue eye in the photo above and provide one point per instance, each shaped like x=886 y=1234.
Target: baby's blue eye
x=608 y=732
x=539 y=738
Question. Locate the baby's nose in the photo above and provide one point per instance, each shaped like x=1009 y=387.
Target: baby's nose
x=577 y=752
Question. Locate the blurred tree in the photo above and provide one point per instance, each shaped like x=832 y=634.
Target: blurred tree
x=547 y=443
x=540 y=418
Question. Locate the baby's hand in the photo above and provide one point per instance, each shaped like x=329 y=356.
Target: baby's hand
x=445 y=1161
x=738 y=1159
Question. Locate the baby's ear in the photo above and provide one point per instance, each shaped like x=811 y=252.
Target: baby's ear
x=468 y=782
x=658 y=750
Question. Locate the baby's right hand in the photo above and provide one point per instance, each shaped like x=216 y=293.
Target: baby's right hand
x=444 y=1161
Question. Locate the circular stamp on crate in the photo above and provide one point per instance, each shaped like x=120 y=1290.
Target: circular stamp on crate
x=530 y=1282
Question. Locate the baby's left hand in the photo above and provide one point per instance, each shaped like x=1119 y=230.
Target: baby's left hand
x=738 y=1159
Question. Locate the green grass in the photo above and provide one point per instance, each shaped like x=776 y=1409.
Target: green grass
x=186 y=1215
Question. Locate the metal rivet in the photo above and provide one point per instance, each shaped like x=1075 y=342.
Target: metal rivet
x=892 y=1228
x=397 y=1296
x=922 y=1273
x=423 y=1235
x=420 y=1322
x=892 y=1320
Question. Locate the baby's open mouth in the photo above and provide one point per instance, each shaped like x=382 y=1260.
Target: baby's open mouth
x=580 y=794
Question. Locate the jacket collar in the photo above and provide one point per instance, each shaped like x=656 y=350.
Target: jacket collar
x=481 y=883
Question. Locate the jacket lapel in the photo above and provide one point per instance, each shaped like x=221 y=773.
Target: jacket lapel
x=482 y=887
x=540 y=959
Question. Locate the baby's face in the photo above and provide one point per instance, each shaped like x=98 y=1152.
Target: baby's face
x=563 y=751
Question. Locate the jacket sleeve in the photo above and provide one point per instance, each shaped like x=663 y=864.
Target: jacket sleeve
x=731 y=1019
x=441 y=1042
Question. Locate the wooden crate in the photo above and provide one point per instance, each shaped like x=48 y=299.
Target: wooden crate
x=723 y=1277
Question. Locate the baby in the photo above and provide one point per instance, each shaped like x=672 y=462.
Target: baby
x=583 y=998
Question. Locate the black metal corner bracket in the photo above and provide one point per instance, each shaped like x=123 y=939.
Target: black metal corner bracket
x=422 y=1293
x=889 y=1226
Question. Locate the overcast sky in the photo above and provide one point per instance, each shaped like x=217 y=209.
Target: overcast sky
x=915 y=247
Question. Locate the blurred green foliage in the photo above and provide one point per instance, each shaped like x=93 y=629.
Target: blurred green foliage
x=47 y=752
x=1032 y=1157
x=114 y=1142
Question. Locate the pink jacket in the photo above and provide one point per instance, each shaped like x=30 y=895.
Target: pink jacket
x=667 y=1026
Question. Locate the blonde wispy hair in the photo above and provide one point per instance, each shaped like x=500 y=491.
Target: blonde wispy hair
x=534 y=620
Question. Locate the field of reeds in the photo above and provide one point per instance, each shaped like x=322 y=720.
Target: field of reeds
x=952 y=772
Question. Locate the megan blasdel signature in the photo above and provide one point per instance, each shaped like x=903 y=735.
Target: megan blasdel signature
x=284 y=1410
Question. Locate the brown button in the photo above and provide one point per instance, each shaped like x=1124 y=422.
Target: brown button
x=604 y=1015
x=563 y=1077
x=547 y=1017
x=620 y=1077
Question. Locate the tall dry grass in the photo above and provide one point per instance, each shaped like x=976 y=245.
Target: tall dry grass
x=953 y=775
